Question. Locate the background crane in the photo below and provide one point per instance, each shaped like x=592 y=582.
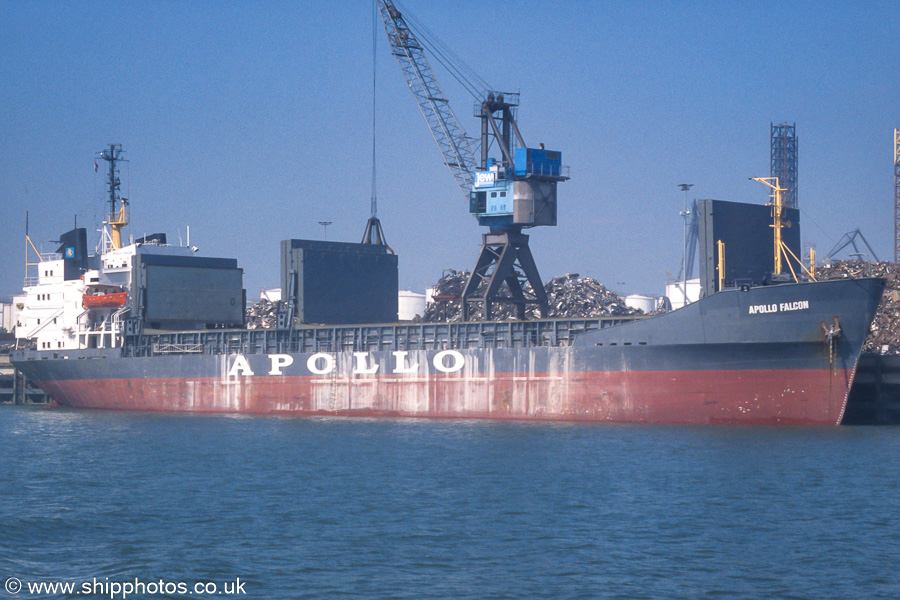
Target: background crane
x=508 y=193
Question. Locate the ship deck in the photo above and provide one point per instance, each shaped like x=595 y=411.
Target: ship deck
x=366 y=338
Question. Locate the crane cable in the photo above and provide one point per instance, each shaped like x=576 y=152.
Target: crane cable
x=373 y=233
x=374 y=204
x=458 y=69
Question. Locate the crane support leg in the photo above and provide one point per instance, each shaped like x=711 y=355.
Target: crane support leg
x=504 y=258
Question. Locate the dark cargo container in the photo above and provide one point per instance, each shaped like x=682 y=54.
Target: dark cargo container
x=188 y=292
x=339 y=283
x=746 y=230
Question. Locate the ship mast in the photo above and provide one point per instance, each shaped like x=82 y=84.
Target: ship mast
x=781 y=248
x=117 y=218
x=777 y=216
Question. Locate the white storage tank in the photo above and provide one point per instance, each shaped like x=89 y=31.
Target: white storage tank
x=679 y=296
x=646 y=304
x=410 y=305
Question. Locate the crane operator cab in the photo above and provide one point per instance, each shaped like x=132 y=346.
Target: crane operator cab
x=521 y=196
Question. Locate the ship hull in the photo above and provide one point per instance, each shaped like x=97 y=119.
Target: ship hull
x=776 y=355
x=806 y=397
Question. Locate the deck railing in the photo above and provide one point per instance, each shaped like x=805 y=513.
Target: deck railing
x=367 y=338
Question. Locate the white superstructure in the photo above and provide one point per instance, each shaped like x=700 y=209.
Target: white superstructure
x=86 y=312
x=76 y=301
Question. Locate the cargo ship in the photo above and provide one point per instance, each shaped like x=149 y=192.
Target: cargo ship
x=154 y=327
x=783 y=354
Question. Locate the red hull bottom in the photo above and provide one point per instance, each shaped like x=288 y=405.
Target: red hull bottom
x=799 y=397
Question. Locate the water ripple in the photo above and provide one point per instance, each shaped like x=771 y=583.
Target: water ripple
x=369 y=508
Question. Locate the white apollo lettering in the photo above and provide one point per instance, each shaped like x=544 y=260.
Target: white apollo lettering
x=457 y=363
x=279 y=361
x=756 y=309
x=313 y=363
x=400 y=363
x=240 y=367
x=362 y=359
x=323 y=363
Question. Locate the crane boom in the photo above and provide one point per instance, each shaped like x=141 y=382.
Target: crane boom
x=450 y=137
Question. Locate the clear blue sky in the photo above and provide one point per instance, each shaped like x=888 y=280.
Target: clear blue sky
x=251 y=121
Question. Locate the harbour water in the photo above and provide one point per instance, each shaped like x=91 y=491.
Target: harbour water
x=366 y=508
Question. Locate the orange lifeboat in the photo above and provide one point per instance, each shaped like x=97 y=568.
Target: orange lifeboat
x=104 y=298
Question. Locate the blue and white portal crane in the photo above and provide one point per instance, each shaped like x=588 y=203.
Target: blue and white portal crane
x=507 y=193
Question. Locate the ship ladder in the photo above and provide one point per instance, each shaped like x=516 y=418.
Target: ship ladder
x=116 y=323
x=46 y=322
x=334 y=370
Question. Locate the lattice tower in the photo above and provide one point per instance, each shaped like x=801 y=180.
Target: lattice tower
x=783 y=157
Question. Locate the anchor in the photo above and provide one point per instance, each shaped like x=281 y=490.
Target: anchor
x=831 y=333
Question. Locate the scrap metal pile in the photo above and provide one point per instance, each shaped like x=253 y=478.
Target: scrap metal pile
x=568 y=296
x=884 y=334
x=263 y=315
